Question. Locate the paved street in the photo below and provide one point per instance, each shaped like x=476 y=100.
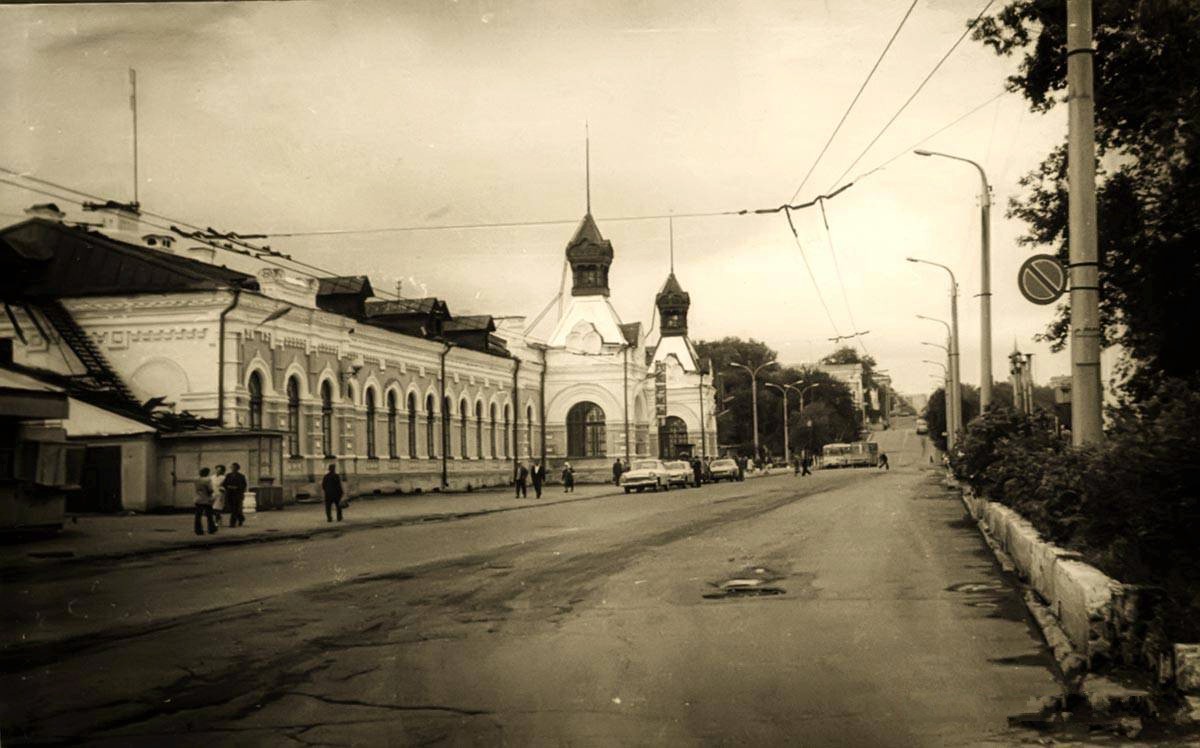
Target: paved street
x=878 y=618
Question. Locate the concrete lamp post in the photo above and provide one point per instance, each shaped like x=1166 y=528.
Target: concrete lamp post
x=985 y=283
x=953 y=397
x=754 y=371
x=783 y=390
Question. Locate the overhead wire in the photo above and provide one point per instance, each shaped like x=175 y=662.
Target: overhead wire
x=854 y=101
x=804 y=256
x=837 y=268
x=917 y=90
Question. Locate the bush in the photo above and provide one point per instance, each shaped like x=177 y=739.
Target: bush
x=1130 y=505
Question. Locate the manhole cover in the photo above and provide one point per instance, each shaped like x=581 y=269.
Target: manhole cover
x=756 y=591
x=975 y=587
x=752 y=581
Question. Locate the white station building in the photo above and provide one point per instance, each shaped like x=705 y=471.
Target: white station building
x=181 y=362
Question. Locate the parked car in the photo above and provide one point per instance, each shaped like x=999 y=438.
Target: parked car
x=643 y=474
x=922 y=426
x=722 y=469
x=680 y=472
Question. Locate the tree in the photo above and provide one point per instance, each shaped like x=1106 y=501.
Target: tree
x=935 y=412
x=1147 y=72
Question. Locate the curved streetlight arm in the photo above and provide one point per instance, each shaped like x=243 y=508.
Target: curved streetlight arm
x=935 y=363
x=953 y=280
x=943 y=323
x=982 y=173
x=936 y=345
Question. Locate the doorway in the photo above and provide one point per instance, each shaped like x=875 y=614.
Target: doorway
x=100 y=484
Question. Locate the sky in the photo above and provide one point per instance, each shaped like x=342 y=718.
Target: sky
x=292 y=117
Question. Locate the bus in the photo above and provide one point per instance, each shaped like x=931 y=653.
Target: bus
x=855 y=454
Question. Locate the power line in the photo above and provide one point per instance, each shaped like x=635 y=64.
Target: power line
x=931 y=136
x=854 y=101
x=788 y=213
x=912 y=96
x=842 y=283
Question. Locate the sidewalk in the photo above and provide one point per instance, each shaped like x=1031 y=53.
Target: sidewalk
x=99 y=537
x=108 y=537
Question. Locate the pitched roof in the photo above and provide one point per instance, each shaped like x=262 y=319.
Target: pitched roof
x=671 y=286
x=632 y=332
x=588 y=244
x=355 y=285
x=39 y=257
x=470 y=323
x=404 y=307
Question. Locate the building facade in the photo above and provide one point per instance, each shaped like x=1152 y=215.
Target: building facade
x=399 y=393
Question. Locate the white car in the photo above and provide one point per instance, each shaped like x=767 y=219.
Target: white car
x=680 y=472
x=722 y=469
x=922 y=426
x=643 y=474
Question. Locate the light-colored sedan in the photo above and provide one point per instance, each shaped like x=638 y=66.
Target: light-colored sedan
x=722 y=469
x=643 y=474
x=681 y=473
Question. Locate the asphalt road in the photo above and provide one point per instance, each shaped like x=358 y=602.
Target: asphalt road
x=877 y=618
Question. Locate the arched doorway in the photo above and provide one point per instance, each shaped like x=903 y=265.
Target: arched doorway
x=586 y=430
x=673 y=439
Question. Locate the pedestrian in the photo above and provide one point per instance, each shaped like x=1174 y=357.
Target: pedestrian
x=796 y=465
x=568 y=478
x=741 y=466
x=883 y=461
x=204 y=502
x=235 y=494
x=538 y=475
x=617 y=470
x=331 y=485
x=697 y=471
x=218 y=485
x=805 y=464
x=522 y=474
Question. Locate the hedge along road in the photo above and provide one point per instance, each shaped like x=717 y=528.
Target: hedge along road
x=867 y=612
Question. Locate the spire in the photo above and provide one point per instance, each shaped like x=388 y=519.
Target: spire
x=587 y=165
x=590 y=255
x=671 y=229
x=673 y=303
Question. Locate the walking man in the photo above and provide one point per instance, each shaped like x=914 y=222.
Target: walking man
x=218 y=486
x=883 y=461
x=617 y=470
x=568 y=478
x=741 y=466
x=805 y=463
x=204 y=502
x=697 y=471
x=235 y=494
x=538 y=475
x=331 y=485
x=522 y=474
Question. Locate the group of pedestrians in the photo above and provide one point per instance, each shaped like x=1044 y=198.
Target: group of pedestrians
x=535 y=473
x=216 y=492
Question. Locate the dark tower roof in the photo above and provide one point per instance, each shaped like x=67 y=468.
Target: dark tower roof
x=590 y=255
x=673 y=303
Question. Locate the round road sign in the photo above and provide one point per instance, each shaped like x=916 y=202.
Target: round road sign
x=1042 y=279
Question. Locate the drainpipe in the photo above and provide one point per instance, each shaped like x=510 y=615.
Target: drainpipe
x=516 y=418
x=542 y=405
x=626 y=373
x=445 y=422
x=237 y=294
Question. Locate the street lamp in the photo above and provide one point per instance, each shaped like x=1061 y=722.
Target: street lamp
x=955 y=351
x=985 y=284
x=954 y=396
x=783 y=391
x=754 y=393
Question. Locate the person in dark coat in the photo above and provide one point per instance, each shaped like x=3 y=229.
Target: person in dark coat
x=204 y=502
x=741 y=464
x=568 y=478
x=522 y=475
x=538 y=476
x=697 y=471
x=805 y=464
x=617 y=470
x=331 y=485
x=883 y=461
x=235 y=495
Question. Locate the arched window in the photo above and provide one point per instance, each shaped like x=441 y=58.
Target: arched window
x=370 y=422
x=430 y=420
x=446 y=426
x=479 y=430
x=506 y=422
x=412 y=424
x=673 y=438
x=393 y=449
x=463 y=409
x=492 y=429
x=293 y=416
x=529 y=429
x=585 y=430
x=256 y=400
x=327 y=418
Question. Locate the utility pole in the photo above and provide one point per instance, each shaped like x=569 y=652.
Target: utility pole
x=783 y=392
x=753 y=371
x=1086 y=425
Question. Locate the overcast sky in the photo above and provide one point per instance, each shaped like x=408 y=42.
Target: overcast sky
x=311 y=116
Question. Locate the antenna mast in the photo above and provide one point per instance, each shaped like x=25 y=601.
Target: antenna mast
x=133 y=106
